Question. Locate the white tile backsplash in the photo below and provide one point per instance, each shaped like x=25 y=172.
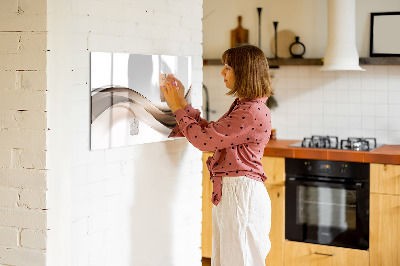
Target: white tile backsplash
x=342 y=96
x=367 y=96
x=394 y=123
x=381 y=83
x=381 y=97
x=394 y=136
x=394 y=110
x=345 y=103
x=367 y=109
x=355 y=96
x=381 y=110
x=394 y=82
x=394 y=97
x=380 y=71
x=368 y=123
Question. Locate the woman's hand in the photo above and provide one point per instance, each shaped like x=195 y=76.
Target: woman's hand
x=174 y=93
x=181 y=92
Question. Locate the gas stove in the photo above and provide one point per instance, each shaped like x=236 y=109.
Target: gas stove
x=332 y=142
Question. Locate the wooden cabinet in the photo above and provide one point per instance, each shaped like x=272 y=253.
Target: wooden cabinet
x=206 y=226
x=385 y=178
x=385 y=215
x=304 y=254
x=277 y=233
x=385 y=230
x=274 y=168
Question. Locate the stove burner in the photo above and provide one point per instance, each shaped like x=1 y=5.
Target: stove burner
x=358 y=144
x=328 y=142
x=332 y=142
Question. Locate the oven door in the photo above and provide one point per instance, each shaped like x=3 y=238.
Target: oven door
x=327 y=213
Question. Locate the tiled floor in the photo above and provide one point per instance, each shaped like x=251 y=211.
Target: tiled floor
x=206 y=261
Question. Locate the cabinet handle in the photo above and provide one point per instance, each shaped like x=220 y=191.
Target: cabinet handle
x=324 y=254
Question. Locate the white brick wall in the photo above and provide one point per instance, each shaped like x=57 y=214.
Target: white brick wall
x=23 y=126
x=99 y=204
x=138 y=205
x=33 y=239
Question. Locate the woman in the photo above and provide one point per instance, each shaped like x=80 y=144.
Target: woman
x=242 y=208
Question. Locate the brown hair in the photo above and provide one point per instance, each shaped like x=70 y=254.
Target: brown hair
x=250 y=66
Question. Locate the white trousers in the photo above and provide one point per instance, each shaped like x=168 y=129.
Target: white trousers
x=241 y=223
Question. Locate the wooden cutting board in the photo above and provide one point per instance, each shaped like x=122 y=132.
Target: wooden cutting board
x=239 y=35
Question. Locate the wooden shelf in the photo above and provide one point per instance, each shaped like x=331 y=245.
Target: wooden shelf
x=274 y=63
x=380 y=61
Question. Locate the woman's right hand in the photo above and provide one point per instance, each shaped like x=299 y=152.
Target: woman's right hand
x=181 y=90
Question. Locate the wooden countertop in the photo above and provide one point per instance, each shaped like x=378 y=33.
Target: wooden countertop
x=389 y=154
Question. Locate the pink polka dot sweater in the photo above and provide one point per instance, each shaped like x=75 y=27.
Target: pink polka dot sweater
x=238 y=139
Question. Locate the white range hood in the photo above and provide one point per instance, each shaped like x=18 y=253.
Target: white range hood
x=341 y=51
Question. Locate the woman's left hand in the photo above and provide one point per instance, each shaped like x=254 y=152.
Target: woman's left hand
x=170 y=90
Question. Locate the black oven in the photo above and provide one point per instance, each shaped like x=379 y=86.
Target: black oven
x=327 y=202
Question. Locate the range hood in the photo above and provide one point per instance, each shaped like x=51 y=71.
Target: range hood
x=341 y=51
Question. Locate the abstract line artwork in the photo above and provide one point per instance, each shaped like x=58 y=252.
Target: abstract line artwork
x=127 y=105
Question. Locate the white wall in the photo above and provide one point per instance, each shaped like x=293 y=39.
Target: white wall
x=311 y=102
x=23 y=133
x=138 y=205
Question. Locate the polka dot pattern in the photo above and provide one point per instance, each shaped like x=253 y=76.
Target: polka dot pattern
x=238 y=139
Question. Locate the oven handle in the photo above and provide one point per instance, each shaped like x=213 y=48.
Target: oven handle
x=357 y=185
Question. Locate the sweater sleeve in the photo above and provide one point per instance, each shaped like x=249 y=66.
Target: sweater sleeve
x=193 y=113
x=229 y=131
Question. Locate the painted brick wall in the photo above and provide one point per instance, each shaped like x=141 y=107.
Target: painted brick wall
x=23 y=132
x=138 y=205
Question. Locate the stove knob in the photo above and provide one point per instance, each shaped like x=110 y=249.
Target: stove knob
x=343 y=168
x=308 y=166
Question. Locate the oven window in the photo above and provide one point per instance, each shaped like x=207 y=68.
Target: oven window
x=327 y=207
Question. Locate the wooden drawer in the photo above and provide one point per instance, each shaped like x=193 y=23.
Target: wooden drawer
x=304 y=254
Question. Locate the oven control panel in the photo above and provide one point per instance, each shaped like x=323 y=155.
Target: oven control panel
x=337 y=169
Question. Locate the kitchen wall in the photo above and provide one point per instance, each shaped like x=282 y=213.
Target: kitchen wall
x=60 y=203
x=137 y=205
x=343 y=103
x=23 y=125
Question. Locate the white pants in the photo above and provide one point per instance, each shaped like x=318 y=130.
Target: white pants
x=241 y=223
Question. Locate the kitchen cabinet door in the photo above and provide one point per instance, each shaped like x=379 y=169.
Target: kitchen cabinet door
x=274 y=168
x=385 y=178
x=384 y=237
x=206 y=226
x=277 y=233
x=305 y=254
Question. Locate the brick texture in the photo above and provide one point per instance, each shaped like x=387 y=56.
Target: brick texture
x=129 y=189
x=33 y=239
x=9 y=237
x=23 y=126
